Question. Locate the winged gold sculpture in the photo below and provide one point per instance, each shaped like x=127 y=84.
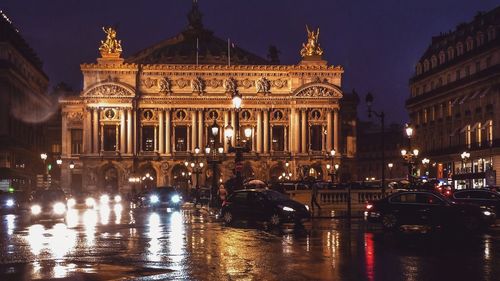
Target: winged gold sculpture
x=311 y=48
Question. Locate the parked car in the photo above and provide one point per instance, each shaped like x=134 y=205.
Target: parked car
x=162 y=197
x=9 y=202
x=427 y=208
x=480 y=197
x=48 y=204
x=263 y=205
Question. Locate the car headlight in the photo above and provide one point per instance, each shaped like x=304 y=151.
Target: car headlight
x=176 y=198
x=36 y=209
x=118 y=198
x=71 y=202
x=59 y=208
x=104 y=199
x=154 y=199
x=487 y=213
x=90 y=202
x=288 y=209
x=307 y=207
x=9 y=203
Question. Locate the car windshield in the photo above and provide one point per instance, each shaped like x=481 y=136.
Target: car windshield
x=49 y=195
x=275 y=196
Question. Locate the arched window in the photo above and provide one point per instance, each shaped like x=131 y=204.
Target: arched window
x=491 y=33
x=419 y=68
x=451 y=53
x=469 y=44
x=460 y=49
x=480 y=38
x=433 y=61
x=442 y=57
x=426 y=65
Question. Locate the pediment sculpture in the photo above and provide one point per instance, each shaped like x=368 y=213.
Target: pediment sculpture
x=263 y=85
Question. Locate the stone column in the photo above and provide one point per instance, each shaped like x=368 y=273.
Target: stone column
x=233 y=124
x=297 y=132
x=323 y=139
x=285 y=130
x=87 y=135
x=193 y=130
x=254 y=140
x=65 y=132
x=226 y=122
x=130 y=148
x=155 y=146
x=291 y=119
x=200 y=129
x=168 y=138
x=266 y=131
x=336 y=130
x=117 y=138
x=161 y=132
x=123 y=148
x=95 y=131
x=329 y=130
x=303 y=131
x=259 y=131
x=135 y=128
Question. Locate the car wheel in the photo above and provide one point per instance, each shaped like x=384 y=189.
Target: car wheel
x=389 y=221
x=275 y=220
x=471 y=223
x=228 y=218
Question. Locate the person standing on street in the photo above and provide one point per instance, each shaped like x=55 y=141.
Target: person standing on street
x=314 y=197
x=222 y=194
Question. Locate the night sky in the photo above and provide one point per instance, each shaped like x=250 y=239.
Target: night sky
x=377 y=42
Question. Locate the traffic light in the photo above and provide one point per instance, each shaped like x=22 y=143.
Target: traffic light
x=49 y=167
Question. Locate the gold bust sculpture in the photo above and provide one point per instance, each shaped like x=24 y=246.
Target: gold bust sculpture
x=111 y=46
x=311 y=48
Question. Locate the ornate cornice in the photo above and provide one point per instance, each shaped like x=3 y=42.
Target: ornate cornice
x=109 y=89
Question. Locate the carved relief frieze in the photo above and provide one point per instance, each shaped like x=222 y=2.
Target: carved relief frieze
x=109 y=90
x=246 y=83
x=214 y=83
x=182 y=83
x=198 y=85
x=279 y=83
x=318 y=91
x=165 y=85
x=230 y=85
x=149 y=82
x=263 y=85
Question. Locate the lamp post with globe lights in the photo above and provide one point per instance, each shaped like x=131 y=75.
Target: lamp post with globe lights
x=381 y=116
x=214 y=155
x=196 y=166
x=231 y=132
x=409 y=155
x=390 y=165
x=426 y=162
x=465 y=157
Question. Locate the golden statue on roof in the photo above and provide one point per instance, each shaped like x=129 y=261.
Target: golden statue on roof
x=111 y=47
x=311 y=48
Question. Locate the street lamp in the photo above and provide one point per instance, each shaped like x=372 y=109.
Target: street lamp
x=214 y=155
x=390 y=165
x=381 y=116
x=238 y=149
x=465 y=157
x=409 y=155
x=425 y=162
x=43 y=156
x=331 y=168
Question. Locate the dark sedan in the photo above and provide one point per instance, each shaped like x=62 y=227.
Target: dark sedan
x=263 y=205
x=427 y=208
x=161 y=197
x=480 y=197
x=48 y=204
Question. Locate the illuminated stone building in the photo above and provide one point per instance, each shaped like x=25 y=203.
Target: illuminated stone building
x=455 y=102
x=24 y=106
x=145 y=115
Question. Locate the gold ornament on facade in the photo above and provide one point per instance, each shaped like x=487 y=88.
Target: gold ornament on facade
x=311 y=48
x=111 y=47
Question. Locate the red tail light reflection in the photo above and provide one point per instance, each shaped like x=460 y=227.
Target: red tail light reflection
x=369 y=206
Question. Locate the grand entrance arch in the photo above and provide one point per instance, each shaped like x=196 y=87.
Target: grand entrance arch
x=148 y=177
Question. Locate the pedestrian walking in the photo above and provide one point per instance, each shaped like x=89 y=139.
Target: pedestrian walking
x=222 y=194
x=314 y=197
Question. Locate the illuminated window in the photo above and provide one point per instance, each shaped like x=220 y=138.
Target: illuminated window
x=148 y=141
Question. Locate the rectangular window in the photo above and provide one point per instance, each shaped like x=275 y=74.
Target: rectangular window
x=148 y=141
x=278 y=141
x=316 y=138
x=467 y=71
x=76 y=141
x=478 y=66
x=109 y=138
x=180 y=138
x=457 y=77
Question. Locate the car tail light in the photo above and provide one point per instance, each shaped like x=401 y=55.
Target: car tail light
x=448 y=193
x=369 y=206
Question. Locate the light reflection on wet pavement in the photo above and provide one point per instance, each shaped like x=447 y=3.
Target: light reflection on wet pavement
x=117 y=243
